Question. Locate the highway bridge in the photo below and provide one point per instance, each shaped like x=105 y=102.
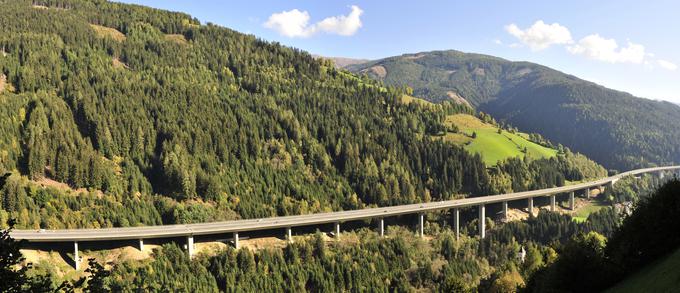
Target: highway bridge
x=336 y=218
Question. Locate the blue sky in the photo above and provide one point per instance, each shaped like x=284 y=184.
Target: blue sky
x=626 y=45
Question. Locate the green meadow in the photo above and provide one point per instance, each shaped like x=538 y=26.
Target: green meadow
x=483 y=138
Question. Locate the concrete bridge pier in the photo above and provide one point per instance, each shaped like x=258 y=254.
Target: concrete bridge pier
x=382 y=227
x=421 y=227
x=236 y=244
x=337 y=229
x=530 y=208
x=482 y=221
x=552 y=203
x=190 y=246
x=587 y=193
x=505 y=210
x=289 y=234
x=141 y=244
x=456 y=222
x=571 y=201
x=76 y=258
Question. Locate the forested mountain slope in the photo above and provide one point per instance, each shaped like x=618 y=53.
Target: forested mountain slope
x=614 y=128
x=149 y=102
x=121 y=115
x=165 y=120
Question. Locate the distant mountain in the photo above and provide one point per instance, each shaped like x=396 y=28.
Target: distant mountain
x=342 y=62
x=616 y=129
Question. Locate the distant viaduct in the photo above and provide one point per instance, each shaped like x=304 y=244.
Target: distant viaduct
x=289 y=222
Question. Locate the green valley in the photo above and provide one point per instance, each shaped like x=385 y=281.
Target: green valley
x=145 y=150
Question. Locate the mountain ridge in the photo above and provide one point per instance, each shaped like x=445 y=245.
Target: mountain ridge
x=536 y=98
x=342 y=62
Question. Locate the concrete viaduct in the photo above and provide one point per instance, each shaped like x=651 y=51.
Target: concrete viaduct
x=289 y=222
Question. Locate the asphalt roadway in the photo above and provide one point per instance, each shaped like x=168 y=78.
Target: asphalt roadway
x=167 y=231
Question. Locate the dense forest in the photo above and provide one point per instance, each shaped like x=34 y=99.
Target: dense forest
x=217 y=119
x=567 y=110
x=150 y=117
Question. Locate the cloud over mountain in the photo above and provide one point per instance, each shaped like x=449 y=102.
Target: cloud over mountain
x=541 y=35
x=598 y=48
x=667 y=65
x=295 y=23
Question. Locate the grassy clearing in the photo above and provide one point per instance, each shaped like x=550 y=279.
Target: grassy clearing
x=179 y=39
x=661 y=276
x=406 y=99
x=493 y=146
x=350 y=75
x=582 y=213
x=107 y=32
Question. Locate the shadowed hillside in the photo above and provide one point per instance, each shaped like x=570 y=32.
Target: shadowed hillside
x=614 y=128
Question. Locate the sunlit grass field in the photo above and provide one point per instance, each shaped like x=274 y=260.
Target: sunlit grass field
x=582 y=213
x=490 y=144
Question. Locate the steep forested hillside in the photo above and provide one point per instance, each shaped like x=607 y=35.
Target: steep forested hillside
x=122 y=115
x=614 y=128
x=131 y=115
x=134 y=101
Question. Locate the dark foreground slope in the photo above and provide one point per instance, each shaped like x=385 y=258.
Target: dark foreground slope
x=614 y=128
x=660 y=276
x=644 y=243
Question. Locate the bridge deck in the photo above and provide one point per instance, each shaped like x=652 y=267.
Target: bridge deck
x=164 y=231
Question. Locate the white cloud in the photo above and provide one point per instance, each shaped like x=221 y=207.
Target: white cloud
x=667 y=65
x=290 y=23
x=342 y=25
x=295 y=23
x=541 y=35
x=598 y=48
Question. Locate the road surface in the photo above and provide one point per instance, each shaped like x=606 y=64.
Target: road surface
x=167 y=231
